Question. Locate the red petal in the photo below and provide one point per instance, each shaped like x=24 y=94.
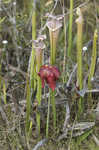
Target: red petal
x=51 y=82
x=56 y=72
x=43 y=84
x=50 y=74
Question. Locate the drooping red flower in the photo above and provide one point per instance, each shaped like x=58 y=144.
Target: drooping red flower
x=49 y=74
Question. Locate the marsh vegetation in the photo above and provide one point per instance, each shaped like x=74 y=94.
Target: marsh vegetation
x=49 y=74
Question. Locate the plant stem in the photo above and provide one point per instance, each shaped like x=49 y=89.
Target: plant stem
x=64 y=61
x=48 y=114
x=32 y=84
x=79 y=22
x=53 y=49
x=28 y=106
x=4 y=92
x=52 y=61
x=53 y=107
x=54 y=27
x=70 y=28
x=32 y=63
x=93 y=60
x=39 y=91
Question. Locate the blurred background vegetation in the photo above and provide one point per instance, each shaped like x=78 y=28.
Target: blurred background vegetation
x=15 y=50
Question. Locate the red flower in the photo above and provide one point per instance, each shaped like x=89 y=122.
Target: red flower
x=49 y=74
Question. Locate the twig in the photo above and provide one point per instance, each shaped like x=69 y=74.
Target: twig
x=66 y=122
x=16 y=69
x=67 y=117
x=39 y=144
x=96 y=139
x=92 y=91
x=71 y=75
x=4 y=117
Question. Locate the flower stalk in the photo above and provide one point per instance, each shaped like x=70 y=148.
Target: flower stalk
x=93 y=59
x=38 y=46
x=49 y=74
x=54 y=26
x=31 y=84
x=65 y=44
x=70 y=28
x=28 y=106
x=32 y=57
x=79 y=22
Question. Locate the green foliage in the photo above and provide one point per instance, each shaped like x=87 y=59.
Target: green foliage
x=48 y=115
x=70 y=28
x=39 y=96
x=29 y=21
x=7 y=1
x=79 y=22
x=84 y=136
x=2 y=20
x=28 y=106
x=93 y=59
x=4 y=92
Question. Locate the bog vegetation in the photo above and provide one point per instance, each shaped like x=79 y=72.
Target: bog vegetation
x=49 y=74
